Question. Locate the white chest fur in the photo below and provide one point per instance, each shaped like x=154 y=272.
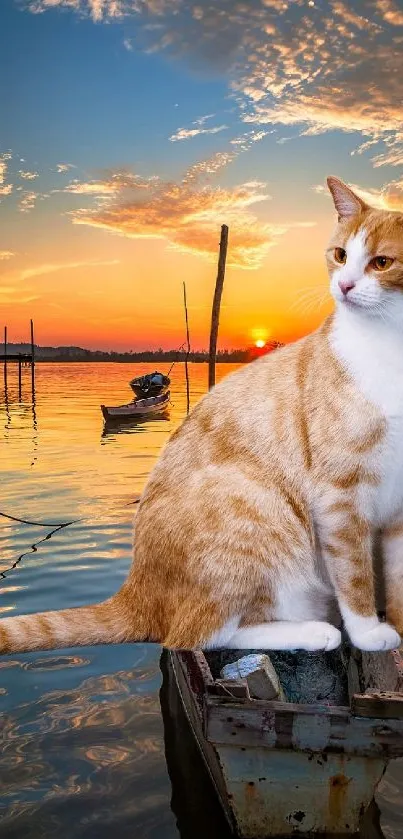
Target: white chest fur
x=372 y=353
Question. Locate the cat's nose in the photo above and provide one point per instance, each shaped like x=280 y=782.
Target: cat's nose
x=346 y=286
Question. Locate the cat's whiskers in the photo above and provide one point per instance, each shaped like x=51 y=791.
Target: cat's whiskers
x=311 y=297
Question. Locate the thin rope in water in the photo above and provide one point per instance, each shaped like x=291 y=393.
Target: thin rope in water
x=55 y=528
x=62 y=523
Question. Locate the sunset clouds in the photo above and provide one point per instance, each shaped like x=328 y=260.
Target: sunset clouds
x=389 y=197
x=186 y=214
x=316 y=66
x=144 y=125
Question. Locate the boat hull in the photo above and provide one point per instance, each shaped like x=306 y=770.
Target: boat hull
x=144 y=387
x=282 y=768
x=138 y=409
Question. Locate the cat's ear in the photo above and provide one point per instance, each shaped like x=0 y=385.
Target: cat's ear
x=347 y=203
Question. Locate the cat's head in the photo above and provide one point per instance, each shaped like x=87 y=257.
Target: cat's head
x=365 y=256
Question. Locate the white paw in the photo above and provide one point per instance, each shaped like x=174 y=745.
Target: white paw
x=318 y=635
x=381 y=637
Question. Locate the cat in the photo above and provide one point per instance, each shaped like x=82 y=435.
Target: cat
x=261 y=512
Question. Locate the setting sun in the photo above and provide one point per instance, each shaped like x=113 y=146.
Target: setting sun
x=260 y=343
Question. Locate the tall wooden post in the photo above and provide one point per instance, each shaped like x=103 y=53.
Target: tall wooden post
x=215 y=313
x=19 y=379
x=187 y=350
x=32 y=361
x=5 y=359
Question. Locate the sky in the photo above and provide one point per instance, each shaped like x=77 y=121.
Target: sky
x=131 y=130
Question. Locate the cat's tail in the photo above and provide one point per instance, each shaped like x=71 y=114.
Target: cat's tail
x=110 y=622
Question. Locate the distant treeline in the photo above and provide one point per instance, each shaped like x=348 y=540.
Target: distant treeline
x=150 y=356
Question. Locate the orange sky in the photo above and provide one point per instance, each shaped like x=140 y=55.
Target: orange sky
x=130 y=305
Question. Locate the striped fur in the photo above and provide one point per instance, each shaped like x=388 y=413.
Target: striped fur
x=256 y=525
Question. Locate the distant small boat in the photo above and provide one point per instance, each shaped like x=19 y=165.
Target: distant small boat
x=152 y=384
x=138 y=408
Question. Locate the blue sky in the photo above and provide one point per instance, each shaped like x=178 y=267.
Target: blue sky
x=131 y=129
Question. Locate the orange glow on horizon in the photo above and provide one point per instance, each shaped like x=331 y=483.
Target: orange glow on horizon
x=99 y=306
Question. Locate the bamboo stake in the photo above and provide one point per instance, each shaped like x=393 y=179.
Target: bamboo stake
x=32 y=361
x=215 y=313
x=5 y=358
x=187 y=350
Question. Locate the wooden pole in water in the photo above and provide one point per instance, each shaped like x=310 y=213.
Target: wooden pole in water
x=5 y=357
x=215 y=313
x=19 y=379
x=32 y=361
x=187 y=350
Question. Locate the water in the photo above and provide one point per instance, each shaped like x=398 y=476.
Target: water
x=83 y=735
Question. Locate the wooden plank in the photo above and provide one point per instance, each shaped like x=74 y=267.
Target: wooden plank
x=353 y=677
x=306 y=728
x=384 y=705
x=229 y=688
x=196 y=671
x=382 y=671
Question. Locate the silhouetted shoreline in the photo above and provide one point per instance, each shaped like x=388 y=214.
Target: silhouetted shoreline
x=67 y=354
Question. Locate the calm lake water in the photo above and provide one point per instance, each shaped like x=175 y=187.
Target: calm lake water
x=83 y=735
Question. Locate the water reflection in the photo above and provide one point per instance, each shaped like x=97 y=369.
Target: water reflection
x=194 y=800
x=87 y=757
x=112 y=428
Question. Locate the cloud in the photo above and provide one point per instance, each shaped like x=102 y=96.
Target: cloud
x=4 y=158
x=390 y=12
x=61 y=168
x=187 y=214
x=389 y=197
x=112 y=183
x=28 y=176
x=187 y=133
x=128 y=45
x=27 y=201
x=6 y=189
x=97 y=9
x=6 y=255
x=318 y=67
x=89 y=188
x=51 y=267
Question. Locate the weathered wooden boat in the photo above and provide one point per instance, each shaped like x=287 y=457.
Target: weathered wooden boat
x=151 y=384
x=308 y=764
x=138 y=408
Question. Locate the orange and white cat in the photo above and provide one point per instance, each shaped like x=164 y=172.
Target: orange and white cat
x=261 y=512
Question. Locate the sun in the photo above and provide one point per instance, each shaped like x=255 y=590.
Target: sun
x=259 y=335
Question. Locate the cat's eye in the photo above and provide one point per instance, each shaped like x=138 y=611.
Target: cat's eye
x=381 y=263
x=340 y=255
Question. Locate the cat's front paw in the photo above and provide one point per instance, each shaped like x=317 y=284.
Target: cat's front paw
x=315 y=636
x=380 y=637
